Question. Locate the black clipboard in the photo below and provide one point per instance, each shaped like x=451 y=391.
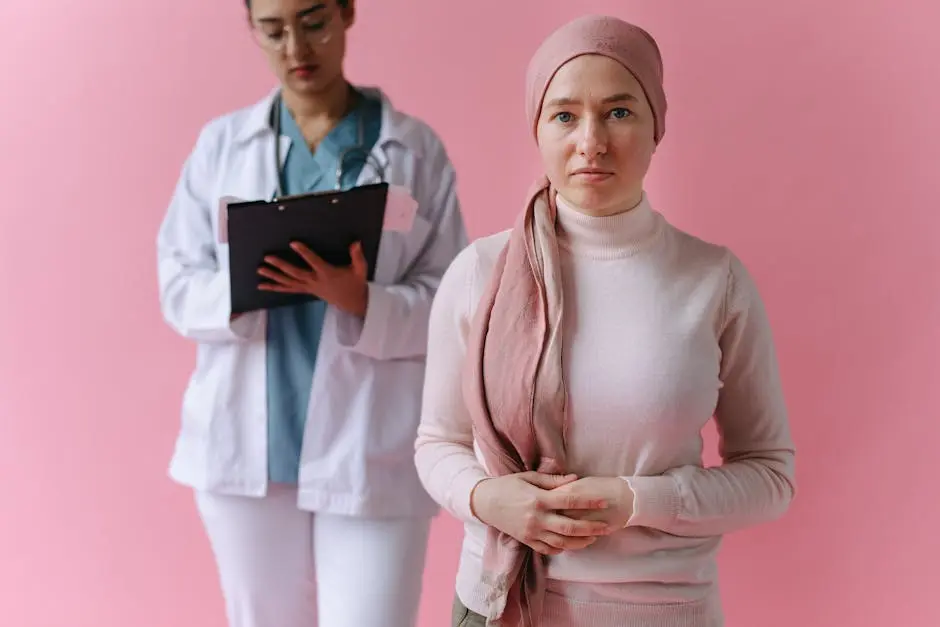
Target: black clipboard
x=326 y=222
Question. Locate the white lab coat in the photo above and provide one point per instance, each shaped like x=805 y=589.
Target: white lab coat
x=358 y=449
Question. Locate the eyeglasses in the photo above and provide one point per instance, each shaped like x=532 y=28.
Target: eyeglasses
x=314 y=29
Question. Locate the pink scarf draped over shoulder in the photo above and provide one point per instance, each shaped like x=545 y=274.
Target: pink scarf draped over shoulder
x=513 y=380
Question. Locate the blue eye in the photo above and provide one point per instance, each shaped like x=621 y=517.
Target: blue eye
x=620 y=113
x=564 y=117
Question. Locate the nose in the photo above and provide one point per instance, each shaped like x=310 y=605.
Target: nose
x=593 y=140
x=295 y=44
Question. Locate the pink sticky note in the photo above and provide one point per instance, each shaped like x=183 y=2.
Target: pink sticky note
x=400 y=209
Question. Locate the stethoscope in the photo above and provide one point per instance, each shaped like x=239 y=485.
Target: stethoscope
x=367 y=157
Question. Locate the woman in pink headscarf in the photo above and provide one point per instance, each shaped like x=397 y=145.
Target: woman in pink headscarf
x=573 y=362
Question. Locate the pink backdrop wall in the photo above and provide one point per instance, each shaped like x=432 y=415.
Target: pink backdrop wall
x=802 y=133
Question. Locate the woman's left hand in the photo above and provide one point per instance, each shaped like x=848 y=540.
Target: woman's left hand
x=614 y=491
x=342 y=287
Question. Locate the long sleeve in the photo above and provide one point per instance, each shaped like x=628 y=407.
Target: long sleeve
x=755 y=483
x=444 y=456
x=396 y=321
x=194 y=287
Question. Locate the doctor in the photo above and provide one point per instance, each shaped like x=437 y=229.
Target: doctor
x=298 y=423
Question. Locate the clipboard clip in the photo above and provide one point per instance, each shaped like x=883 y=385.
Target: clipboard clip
x=401 y=208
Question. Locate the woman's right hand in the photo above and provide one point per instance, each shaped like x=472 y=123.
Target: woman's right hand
x=523 y=506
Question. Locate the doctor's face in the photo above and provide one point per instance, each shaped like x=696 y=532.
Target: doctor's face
x=304 y=40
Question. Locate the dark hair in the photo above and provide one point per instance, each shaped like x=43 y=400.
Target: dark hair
x=341 y=3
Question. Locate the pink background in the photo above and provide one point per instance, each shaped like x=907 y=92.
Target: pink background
x=802 y=133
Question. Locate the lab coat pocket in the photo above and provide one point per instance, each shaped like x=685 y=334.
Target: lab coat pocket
x=200 y=399
x=398 y=251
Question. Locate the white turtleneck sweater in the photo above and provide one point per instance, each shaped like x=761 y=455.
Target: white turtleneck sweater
x=662 y=333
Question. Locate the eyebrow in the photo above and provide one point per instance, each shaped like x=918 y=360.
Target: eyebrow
x=302 y=13
x=563 y=102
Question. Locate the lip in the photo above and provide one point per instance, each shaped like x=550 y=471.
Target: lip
x=592 y=174
x=303 y=70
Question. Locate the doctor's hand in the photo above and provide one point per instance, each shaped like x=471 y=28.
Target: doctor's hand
x=613 y=490
x=343 y=287
x=527 y=507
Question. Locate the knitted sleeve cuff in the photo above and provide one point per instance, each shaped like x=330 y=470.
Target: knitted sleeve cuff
x=656 y=501
x=461 y=489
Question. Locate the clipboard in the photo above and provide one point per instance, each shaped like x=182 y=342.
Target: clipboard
x=326 y=222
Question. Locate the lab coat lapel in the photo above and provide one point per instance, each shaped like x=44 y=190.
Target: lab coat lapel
x=267 y=171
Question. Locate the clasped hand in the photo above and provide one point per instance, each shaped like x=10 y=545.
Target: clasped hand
x=551 y=513
x=343 y=287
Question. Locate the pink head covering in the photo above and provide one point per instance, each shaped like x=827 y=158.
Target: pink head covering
x=611 y=37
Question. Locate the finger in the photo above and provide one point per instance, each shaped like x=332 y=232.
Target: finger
x=567 y=500
x=584 y=514
x=279 y=278
x=582 y=543
x=313 y=260
x=548 y=482
x=288 y=269
x=359 y=265
x=544 y=549
x=574 y=528
x=565 y=544
x=282 y=289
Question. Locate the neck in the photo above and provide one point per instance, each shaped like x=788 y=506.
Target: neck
x=630 y=203
x=321 y=110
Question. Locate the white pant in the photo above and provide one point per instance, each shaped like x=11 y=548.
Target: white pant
x=283 y=567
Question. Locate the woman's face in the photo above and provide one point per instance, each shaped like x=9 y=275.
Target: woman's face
x=304 y=40
x=596 y=135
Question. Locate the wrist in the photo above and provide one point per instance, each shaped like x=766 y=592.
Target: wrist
x=357 y=303
x=362 y=301
x=477 y=499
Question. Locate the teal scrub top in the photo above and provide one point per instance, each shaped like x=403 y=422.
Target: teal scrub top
x=293 y=332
